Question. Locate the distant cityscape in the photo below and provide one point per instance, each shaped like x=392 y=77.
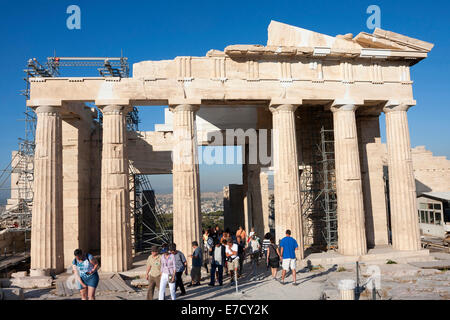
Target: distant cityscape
x=210 y=201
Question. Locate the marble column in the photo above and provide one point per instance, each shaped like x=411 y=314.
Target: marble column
x=350 y=206
x=402 y=187
x=264 y=187
x=47 y=252
x=255 y=199
x=371 y=151
x=187 y=222
x=115 y=198
x=287 y=183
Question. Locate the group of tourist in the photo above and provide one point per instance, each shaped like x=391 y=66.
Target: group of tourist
x=166 y=266
x=224 y=252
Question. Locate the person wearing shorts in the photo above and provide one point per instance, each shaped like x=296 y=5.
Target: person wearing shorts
x=85 y=269
x=231 y=251
x=288 y=246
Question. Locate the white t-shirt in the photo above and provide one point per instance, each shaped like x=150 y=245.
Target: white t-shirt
x=254 y=244
x=234 y=248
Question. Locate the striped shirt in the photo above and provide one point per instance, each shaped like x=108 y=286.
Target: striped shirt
x=265 y=245
x=168 y=264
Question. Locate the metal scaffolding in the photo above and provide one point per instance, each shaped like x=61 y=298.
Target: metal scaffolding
x=328 y=193
x=151 y=225
x=317 y=181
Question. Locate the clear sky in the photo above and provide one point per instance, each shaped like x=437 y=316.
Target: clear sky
x=153 y=30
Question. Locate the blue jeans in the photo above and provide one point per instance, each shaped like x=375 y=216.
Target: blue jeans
x=213 y=273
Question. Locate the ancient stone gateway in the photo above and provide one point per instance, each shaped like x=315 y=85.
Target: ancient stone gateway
x=345 y=80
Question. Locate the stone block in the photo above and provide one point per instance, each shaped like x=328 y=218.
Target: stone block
x=33 y=282
x=139 y=283
x=12 y=294
x=39 y=273
x=21 y=274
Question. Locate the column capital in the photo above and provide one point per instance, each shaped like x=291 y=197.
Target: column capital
x=395 y=105
x=343 y=107
x=275 y=103
x=48 y=110
x=115 y=109
x=184 y=107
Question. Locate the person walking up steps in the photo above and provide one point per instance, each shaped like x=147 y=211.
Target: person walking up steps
x=85 y=268
x=180 y=265
x=197 y=259
x=218 y=257
x=288 y=247
x=153 y=274
x=231 y=252
x=273 y=258
x=167 y=274
x=255 y=249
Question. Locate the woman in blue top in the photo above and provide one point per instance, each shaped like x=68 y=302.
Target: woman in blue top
x=85 y=269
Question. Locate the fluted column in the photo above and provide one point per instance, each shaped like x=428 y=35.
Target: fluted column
x=402 y=187
x=115 y=198
x=350 y=206
x=287 y=184
x=47 y=219
x=186 y=181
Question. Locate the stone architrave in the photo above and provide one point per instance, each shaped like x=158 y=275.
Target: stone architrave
x=115 y=198
x=402 y=186
x=350 y=205
x=47 y=253
x=287 y=182
x=186 y=181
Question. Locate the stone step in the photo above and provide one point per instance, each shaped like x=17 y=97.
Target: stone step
x=440 y=264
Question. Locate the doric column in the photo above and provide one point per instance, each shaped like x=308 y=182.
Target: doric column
x=47 y=226
x=402 y=187
x=373 y=179
x=115 y=197
x=350 y=206
x=287 y=184
x=264 y=187
x=186 y=182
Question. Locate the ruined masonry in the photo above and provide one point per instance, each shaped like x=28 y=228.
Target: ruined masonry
x=81 y=188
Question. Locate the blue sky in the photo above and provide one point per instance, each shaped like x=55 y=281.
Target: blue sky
x=153 y=30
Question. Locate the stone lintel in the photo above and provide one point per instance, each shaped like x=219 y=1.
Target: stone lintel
x=173 y=102
x=44 y=102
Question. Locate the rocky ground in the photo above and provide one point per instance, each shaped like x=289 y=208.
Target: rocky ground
x=397 y=282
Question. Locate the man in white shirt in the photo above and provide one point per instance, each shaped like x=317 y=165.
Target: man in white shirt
x=231 y=252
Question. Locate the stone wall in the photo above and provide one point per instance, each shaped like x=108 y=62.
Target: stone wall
x=233 y=206
x=432 y=173
x=13 y=241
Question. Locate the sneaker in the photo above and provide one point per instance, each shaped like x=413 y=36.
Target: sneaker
x=189 y=285
x=196 y=284
x=211 y=284
x=295 y=284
